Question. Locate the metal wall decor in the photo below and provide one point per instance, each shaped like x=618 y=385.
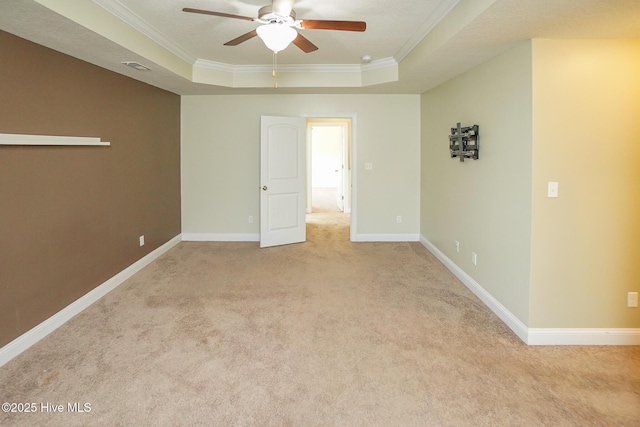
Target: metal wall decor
x=464 y=142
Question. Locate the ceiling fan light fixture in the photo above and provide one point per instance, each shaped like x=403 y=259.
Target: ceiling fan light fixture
x=276 y=36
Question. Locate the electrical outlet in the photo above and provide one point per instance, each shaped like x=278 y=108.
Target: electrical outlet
x=399 y=219
x=474 y=258
x=250 y=219
x=457 y=246
x=368 y=166
x=632 y=299
x=141 y=240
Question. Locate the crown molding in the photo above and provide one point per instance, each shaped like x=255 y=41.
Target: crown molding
x=304 y=75
x=438 y=14
x=379 y=64
x=296 y=68
x=216 y=66
x=126 y=15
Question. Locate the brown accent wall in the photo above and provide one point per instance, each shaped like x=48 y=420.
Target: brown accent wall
x=70 y=217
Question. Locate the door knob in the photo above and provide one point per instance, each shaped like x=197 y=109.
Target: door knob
x=264 y=187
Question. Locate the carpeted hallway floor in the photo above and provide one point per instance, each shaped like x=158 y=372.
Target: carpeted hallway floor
x=324 y=333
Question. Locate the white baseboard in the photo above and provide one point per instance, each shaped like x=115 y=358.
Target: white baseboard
x=516 y=325
x=583 y=336
x=40 y=331
x=213 y=237
x=385 y=238
x=538 y=336
x=209 y=237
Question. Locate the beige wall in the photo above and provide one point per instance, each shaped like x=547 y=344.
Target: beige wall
x=221 y=166
x=586 y=243
x=566 y=111
x=70 y=217
x=485 y=204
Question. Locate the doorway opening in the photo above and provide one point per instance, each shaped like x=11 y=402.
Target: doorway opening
x=329 y=178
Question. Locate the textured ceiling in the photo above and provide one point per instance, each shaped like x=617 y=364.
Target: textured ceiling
x=203 y=36
x=429 y=41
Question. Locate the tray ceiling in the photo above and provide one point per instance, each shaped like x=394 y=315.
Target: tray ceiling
x=414 y=44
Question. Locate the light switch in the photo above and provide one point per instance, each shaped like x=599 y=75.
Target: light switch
x=552 y=189
x=368 y=166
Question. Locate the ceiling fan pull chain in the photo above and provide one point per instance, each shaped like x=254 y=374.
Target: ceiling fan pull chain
x=274 y=71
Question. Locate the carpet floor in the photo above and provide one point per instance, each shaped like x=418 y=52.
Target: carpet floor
x=323 y=333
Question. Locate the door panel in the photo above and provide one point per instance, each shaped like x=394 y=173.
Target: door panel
x=283 y=211
x=283 y=181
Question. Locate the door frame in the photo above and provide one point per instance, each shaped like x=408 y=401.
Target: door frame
x=345 y=179
x=352 y=159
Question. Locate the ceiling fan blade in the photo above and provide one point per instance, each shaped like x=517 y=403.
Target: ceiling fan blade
x=242 y=38
x=304 y=44
x=210 y=12
x=315 y=24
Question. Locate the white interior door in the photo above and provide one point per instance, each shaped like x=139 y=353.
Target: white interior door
x=283 y=181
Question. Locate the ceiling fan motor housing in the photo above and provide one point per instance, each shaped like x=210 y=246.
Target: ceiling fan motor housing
x=267 y=15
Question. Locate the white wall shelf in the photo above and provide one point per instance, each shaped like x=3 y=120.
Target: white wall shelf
x=18 y=139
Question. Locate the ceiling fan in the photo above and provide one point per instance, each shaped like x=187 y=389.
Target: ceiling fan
x=279 y=24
